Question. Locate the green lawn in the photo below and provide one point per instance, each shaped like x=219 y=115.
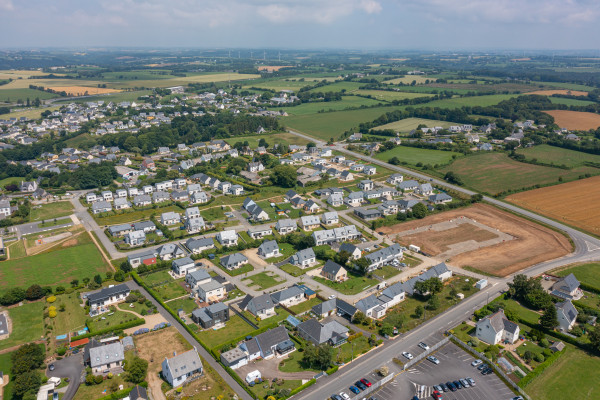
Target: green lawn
x=294 y=364
x=556 y=155
x=496 y=172
x=235 y=327
x=305 y=305
x=74 y=316
x=386 y=272
x=14 y=180
x=135 y=215
x=263 y=280
x=188 y=305
x=137 y=307
x=261 y=392
x=572 y=373
x=281 y=315
x=54 y=222
x=27 y=323
x=408 y=124
x=158 y=277
x=54 y=267
x=5 y=366
x=355 y=284
x=386 y=95
x=347 y=351
x=413 y=155
x=50 y=211
x=533 y=348
x=17 y=249
x=523 y=312
x=316 y=107
x=286 y=250
x=86 y=392
x=213 y=214
x=170 y=290
x=105 y=321
x=472 y=101
x=570 y=102
x=271 y=138
x=244 y=269
x=297 y=271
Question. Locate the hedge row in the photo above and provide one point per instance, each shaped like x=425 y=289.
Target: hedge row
x=121 y=393
x=302 y=387
x=120 y=327
x=540 y=368
x=352 y=337
x=332 y=370
x=558 y=335
x=589 y=288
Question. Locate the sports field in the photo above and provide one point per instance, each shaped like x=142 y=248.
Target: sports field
x=408 y=124
x=496 y=172
x=413 y=155
x=574 y=203
x=575 y=120
x=559 y=156
x=76 y=258
x=315 y=107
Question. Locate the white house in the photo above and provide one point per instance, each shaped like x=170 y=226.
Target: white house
x=304 y=258
x=269 y=249
x=497 y=328
x=330 y=218
x=211 y=291
x=135 y=238
x=183 y=266
x=108 y=296
x=227 y=238
x=178 y=369
x=566 y=314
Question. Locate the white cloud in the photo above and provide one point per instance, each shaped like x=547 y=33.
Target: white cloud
x=6 y=5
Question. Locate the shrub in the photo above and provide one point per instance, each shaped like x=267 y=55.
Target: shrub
x=52 y=313
x=98 y=379
x=539 y=358
x=51 y=299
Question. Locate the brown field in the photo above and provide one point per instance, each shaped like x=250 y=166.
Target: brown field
x=575 y=120
x=436 y=242
x=83 y=90
x=271 y=68
x=559 y=91
x=578 y=204
x=532 y=243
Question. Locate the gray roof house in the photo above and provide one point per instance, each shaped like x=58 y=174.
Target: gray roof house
x=106 y=357
x=183 y=266
x=384 y=256
x=371 y=306
x=332 y=332
x=284 y=226
x=566 y=314
x=289 y=296
x=233 y=261
x=178 y=369
x=197 y=277
x=260 y=306
x=274 y=341
x=304 y=258
x=199 y=245
x=567 y=288
x=269 y=249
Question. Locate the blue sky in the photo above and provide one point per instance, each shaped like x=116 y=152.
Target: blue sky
x=357 y=24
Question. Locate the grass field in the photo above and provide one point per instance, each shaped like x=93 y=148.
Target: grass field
x=587 y=273
x=182 y=80
x=27 y=322
x=17 y=249
x=74 y=316
x=496 y=172
x=575 y=206
x=12 y=180
x=186 y=304
x=408 y=124
x=408 y=79
x=354 y=284
x=332 y=125
x=569 y=374
x=280 y=84
x=570 y=102
x=338 y=87
x=263 y=280
x=5 y=367
x=110 y=319
x=57 y=266
x=471 y=101
x=280 y=138
x=559 y=156
x=315 y=107
x=34 y=113
x=386 y=95
x=50 y=211
x=413 y=155
x=235 y=327
x=134 y=215
x=14 y=94
x=575 y=120
x=305 y=305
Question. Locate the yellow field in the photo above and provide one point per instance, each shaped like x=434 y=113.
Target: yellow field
x=24 y=83
x=83 y=90
x=559 y=91
x=575 y=120
x=23 y=74
x=184 y=80
x=32 y=114
x=574 y=203
x=407 y=80
x=271 y=68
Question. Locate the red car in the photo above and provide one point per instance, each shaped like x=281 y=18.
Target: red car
x=437 y=395
x=366 y=382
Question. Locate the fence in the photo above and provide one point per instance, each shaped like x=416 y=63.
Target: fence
x=421 y=356
x=489 y=362
x=374 y=387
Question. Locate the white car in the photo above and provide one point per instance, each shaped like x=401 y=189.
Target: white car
x=476 y=363
x=423 y=346
x=407 y=355
x=345 y=396
x=433 y=360
x=470 y=380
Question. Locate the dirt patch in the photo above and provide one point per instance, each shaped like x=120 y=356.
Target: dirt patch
x=69 y=243
x=559 y=91
x=575 y=206
x=575 y=120
x=271 y=68
x=82 y=90
x=532 y=243
x=151 y=321
x=254 y=258
x=154 y=347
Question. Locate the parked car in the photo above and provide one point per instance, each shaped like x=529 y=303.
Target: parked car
x=366 y=382
x=438 y=388
x=464 y=383
x=433 y=360
x=481 y=367
x=344 y=396
x=444 y=387
x=476 y=363
x=423 y=346
x=457 y=384
x=407 y=355
x=354 y=390
x=437 y=395
x=451 y=386
x=360 y=385
x=470 y=380
x=51 y=367
x=334 y=397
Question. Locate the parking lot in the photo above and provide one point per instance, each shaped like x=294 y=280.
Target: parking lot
x=454 y=364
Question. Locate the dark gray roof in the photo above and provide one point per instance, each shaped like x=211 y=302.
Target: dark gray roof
x=303 y=255
x=233 y=259
x=268 y=246
x=193 y=244
x=180 y=262
x=139 y=226
x=568 y=310
x=385 y=253
x=184 y=363
x=107 y=354
x=349 y=247
x=367 y=303
x=324 y=307
x=258 y=303
x=138 y=392
x=105 y=293
x=320 y=333
x=331 y=267
x=286 y=294
x=271 y=338
x=198 y=275
x=439 y=197
x=394 y=290
x=345 y=307
x=568 y=283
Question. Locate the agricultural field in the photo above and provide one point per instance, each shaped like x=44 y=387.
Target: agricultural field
x=570 y=102
x=559 y=91
x=331 y=125
x=530 y=244
x=14 y=94
x=27 y=322
x=182 y=80
x=280 y=84
x=413 y=155
x=496 y=173
x=338 y=87
x=389 y=95
x=322 y=106
x=76 y=258
x=575 y=120
x=408 y=124
x=50 y=211
x=471 y=101
x=276 y=138
x=574 y=207
x=408 y=79
x=559 y=156
x=587 y=273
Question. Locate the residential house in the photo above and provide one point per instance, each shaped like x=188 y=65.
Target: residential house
x=392 y=295
x=236 y=357
x=346 y=176
x=334 y=272
x=183 y=266
x=234 y=261
x=440 y=271
x=135 y=238
x=121 y=193
x=260 y=306
x=354 y=199
x=179 y=195
x=91 y=197
x=273 y=342
x=107 y=296
x=194 y=225
x=372 y=307
x=197 y=277
x=170 y=218
x=121 y=203
x=388 y=207
x=367 y=213
x=311 y=207
x=408 y=185
x=197 y=246
x=366 y=184
x=369 y=170
x=424 y=189
x=148 y=164
x=178 y=369
x=567 y=288
x=236 y=190
x=330 y=218
x=269 y=249
x=255 y=167
x=496 y=328
x=211 y=291
x=355 y=252
x=101 y=207
x=440 y=198
x=227 y=238
x=146 y=226
x=224 y=187
x=256 y=212
x=208 y=317
x=291 y=194
x=285 y=226
x=330 y=307
x=160 y=197
x=259 y=233
x=147 y=257
x=304 y=258
x=119 y=230
x=138 y=393
x=142 y=200
x=170 y=251
x=107 y=195
x=289 y=297
x=332 y=333
x=199 y=198
x=336 y=200
x=566 y=314
x=310 y=222
x=106 y=357
x=336 y=235
x=394 y=179
x=384 y=256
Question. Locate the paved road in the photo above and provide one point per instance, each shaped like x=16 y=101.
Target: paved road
x=208 y=357
x=70 y=367
x=34 y=228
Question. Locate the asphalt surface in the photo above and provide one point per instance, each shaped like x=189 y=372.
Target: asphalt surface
x=34 y=228
x=69 y=367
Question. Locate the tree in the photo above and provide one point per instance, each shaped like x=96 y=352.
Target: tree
x=25 y=382
x=34 y=292
x=136 y=370
x=433 y=303
x=263 y=143
x=594 y=336
x=419 y=311
x=362 y=264
x=419 y=210
x=549 y=319
x=359 y=318
x=98 y=279
x=342 y=257
x=27 y=357
x=386 y=329
x=318 y=356
x=284 y=176
x=311 y=144
x=394 y=161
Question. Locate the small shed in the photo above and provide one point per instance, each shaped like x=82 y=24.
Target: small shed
x=481 y=284
x=128 y=343
x=414 y=248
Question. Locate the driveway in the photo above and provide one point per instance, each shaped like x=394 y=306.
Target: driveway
x=69 y=367
x=269 y=369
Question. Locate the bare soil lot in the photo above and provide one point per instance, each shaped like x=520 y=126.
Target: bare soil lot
x=575 y=120
x=531 y=244
x=559 y=91
x=578 y=203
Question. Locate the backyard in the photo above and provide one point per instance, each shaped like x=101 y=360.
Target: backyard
x=353 y=285
x=234 y=328
x=27 y=322
x=109 y=320
x=263 y=280
x=72 y=318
